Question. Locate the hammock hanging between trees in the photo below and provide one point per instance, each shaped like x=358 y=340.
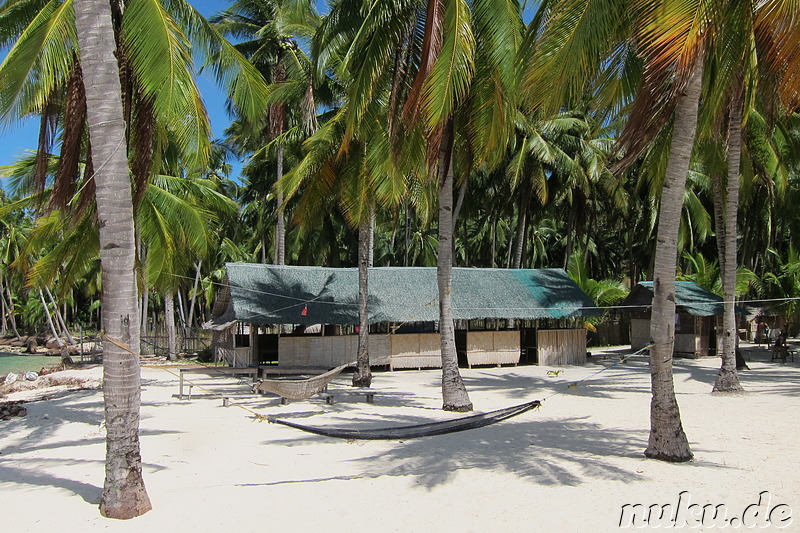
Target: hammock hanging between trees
x=417 y=430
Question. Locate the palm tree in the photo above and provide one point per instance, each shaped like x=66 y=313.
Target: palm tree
x=124 y=494
x=456 y=96
x=175 y=221
x=16 y=227
x=672 y=81
x=783 y=283
x=359 y=181
x=684 y=57
x=41 y=76
x=757 y=46
x=268 y=31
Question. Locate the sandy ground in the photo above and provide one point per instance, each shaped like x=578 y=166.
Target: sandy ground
x=569 y=466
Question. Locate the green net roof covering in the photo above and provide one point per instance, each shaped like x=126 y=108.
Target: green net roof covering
x=689 y=297
x=270 y=294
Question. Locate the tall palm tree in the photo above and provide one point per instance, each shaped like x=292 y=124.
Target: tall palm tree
x=758 y=54
x=358 y=181
x=672 y=80
x=452 y=92
x=268 y=32
x=667 y=439
x=124 y=494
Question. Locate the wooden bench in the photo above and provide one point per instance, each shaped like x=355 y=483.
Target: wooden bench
x=226 y=370
x=369 y=394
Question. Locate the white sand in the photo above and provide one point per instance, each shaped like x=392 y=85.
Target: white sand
x=570 y=466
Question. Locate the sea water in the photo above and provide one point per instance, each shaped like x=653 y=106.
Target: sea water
x=24 y=363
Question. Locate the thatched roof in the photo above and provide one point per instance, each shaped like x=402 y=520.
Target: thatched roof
x=270 y=294
x=689 y=297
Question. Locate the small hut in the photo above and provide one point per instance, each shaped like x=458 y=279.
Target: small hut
x=498 y=312
x=696 y=312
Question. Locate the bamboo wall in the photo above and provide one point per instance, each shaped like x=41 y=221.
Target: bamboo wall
x=561 y=346
x=423 y=350
x=640 y=333
x=415 y=350
x=236 y=357
x=330 y=351
x=155 y=341
x=693 y=340
x=411 y=350
x=493 y=347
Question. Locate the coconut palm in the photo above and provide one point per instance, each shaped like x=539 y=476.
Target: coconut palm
x=15 y=228
x=267 y=32
x=783 y=284
x=357 y=181
x=41 y=76
x=173 y=218
x=672 y=84
x=760 y=54
x=452 y=91
x=124 y=494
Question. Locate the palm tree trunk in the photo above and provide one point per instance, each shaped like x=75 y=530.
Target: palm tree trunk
x=493 y=240
x=4 y=312
x=362 y=377
x=570 y=237
x=50 y=320
x=667 y=441
x=454 y=394
x=10 y=309
x=61 y=322
x=194 y=292
x=370 y=238
x=462 y=192
x=182 y=312
x=727 y=378
x=407 y=235
x=522 y=224
x=144 y=307
x=145 y=296
x=280 y=224
x=277 y=114
x=169 y=324
x=124 y=494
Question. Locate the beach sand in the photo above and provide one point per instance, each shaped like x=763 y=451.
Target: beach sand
x=570 y=466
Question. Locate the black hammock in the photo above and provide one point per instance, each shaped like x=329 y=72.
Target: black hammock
x=417 y=430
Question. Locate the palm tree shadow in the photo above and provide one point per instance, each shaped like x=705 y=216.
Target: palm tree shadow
x=37 y=430
x=566 y=451
x=90 y=493
x=557 y=452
